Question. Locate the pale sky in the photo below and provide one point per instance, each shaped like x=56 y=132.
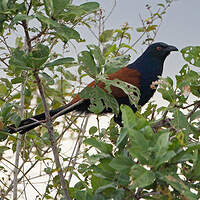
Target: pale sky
x=180 y=25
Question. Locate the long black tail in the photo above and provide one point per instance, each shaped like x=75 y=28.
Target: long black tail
x=31 y=123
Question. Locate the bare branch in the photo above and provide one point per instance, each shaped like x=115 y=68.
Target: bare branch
x=196 y=106
x=19 y=139
x=52 y=137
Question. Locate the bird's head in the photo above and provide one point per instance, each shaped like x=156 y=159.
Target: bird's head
x=160 y=50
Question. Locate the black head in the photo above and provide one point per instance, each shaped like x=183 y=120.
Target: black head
x=160 y=50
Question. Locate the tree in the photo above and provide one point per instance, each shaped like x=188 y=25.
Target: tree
x=154 y=156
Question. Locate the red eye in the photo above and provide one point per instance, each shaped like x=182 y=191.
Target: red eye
x=159 y=48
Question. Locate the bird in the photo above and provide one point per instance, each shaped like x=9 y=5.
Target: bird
x=145 y=70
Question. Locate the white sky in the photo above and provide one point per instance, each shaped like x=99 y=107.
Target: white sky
x=180 y=25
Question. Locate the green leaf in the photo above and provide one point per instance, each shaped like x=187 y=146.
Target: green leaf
x=96 y=52
x=139 y=146
x=89 y=6
x=161 y=150
x=123 y=179
x=19 y=60
x=27 y=92
x=151 y=28
x=195 y=115
x=60 y=61
x=139 y=132
x=195 y=174
x=38 y=56
x=132 y=91
x=82 y=168
x=141 y=177
x=5 y=111
x=160 y=4
x=48 y=78
x=3 y=148
x=21 y=17
x=82 y=195
x=69 y=76
x=141 y=29
x=59 y=6
x=122 y=139
x=105 y=187
x=3 y=136
x=99 y=100
x=192 y=55
x=122 y=164
x=185 y=155
x=179 y=185
x=106 y=36
x=168 y=94
x=102 y=146
x=17 y=80
x=93 y=130
x=66 y=33
x=86 y=60
x=128 y=116
x=7 y=82
x=179 y=121
x=3 y=90
x=113 y=64
x=49 y=22
x=16 y=119
x=162 y=144
x=119 y=194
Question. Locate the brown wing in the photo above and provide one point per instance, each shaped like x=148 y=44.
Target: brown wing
x=131 y=76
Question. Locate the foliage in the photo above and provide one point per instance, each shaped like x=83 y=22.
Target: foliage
x=154 y=156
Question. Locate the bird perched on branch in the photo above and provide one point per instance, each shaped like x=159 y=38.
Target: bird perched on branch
x=140 y=73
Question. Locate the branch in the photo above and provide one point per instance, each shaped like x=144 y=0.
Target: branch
x=78 y=145
x=19 y=139
x=24 y=175
x=161 y=123
x=196 y=106
x=29 y=7
x=38 y=35
x=111 y=11
x=28 y=40
x=41 y=122
x=10 y=187
x=52 y=137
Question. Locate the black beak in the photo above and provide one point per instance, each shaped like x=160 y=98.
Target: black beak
x=171 y=48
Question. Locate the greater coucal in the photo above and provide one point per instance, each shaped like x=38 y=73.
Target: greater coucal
x=140 y=73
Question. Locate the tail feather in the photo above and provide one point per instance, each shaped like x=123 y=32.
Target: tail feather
x=35 y=121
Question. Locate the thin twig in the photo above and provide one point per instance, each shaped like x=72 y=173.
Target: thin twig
x=111 y=11
x=39 y=34
x=141 y=36
x=28 y=40
x=194 y=109
x=149 y=194
x=19 y=139
x=78 y=146
x=10 y=187
x=2 y=60
x=29 y=7
x=36 y=122
x=52 y=138
x=24 y=175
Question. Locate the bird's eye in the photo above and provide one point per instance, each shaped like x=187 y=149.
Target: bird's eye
x=159 y=48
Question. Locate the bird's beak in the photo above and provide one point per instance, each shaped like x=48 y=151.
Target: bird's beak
x=171 y=48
